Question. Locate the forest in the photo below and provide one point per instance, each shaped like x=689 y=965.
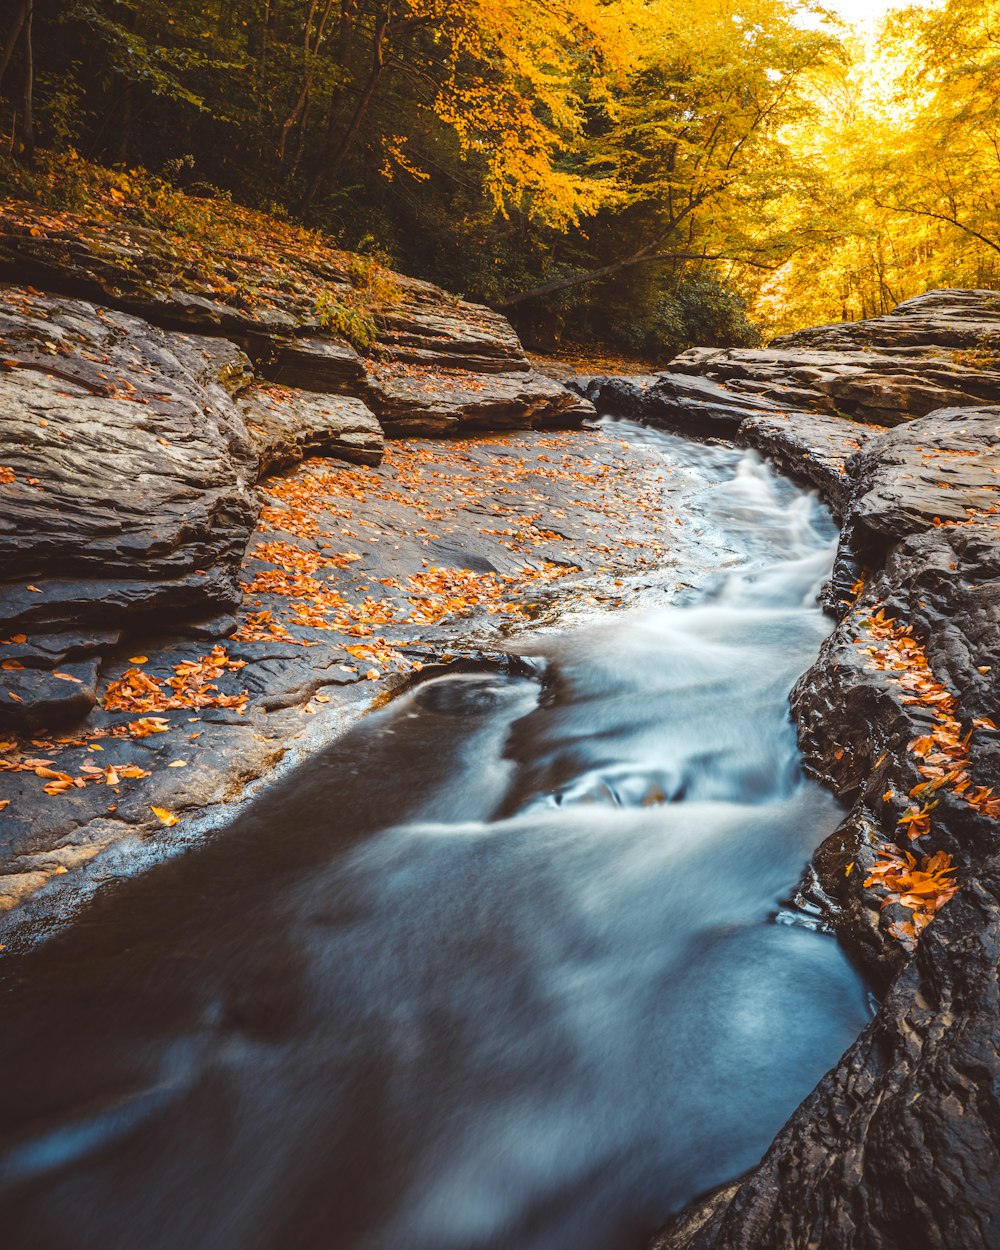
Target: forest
x=637 y=174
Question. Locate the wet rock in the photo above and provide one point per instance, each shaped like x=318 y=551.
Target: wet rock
x=127 y=477
x=899 y=1144
x=425 y=402
x=692 y=405
x=437 y=363
x=286 y=426
x=942 y=469
x=37 y=697
x=811 y=446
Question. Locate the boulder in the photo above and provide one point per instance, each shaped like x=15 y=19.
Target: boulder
x=126 y=484
x=286 y=426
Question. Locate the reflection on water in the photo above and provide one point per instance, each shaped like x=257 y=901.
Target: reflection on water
x=496 y=971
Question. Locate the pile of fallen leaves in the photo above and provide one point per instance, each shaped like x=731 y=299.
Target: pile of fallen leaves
x=922 y=887
x=192 y=686
x=942 y=757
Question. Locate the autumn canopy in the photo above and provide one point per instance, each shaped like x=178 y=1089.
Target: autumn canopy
x=642 y=173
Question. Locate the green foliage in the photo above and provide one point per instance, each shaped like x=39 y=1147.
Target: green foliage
x=343 y=316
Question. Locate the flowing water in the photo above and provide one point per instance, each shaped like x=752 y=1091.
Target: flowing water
x=499 y=969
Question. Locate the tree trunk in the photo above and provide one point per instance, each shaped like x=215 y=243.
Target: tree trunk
x=28 y=113
x=326 y=173
x=10 y=42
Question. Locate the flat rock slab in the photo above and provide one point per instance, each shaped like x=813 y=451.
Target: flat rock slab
x=355 y=579
x=126 y=474
x=286 y=426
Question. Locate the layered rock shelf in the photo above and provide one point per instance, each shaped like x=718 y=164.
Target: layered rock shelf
x=435 y=364
x=938 y=350
x=149 y=388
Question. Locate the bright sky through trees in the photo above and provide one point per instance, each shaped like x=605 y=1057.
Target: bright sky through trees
x=646 y=174
x=868 y=11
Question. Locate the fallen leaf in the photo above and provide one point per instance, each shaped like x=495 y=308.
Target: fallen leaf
x=147 y=725
x=165 y=817
x=178 y=764
x=139 y=659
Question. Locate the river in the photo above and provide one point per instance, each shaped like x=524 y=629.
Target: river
x=507 y=967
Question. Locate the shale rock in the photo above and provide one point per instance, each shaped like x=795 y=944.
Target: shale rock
x=939 y=350
x=437 y=364
x=126 y=483
x=423 y=402
x=900 y=1143
x=286 y=426
x=961 y=319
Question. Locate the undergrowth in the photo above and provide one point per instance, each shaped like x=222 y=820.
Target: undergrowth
x=242 y=256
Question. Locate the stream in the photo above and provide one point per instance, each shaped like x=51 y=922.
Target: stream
x=507 y=967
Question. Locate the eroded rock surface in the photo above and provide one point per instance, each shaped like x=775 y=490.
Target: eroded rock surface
x=127 y=486
x=900 y=1144
x=287 y=426
x=437 y=363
